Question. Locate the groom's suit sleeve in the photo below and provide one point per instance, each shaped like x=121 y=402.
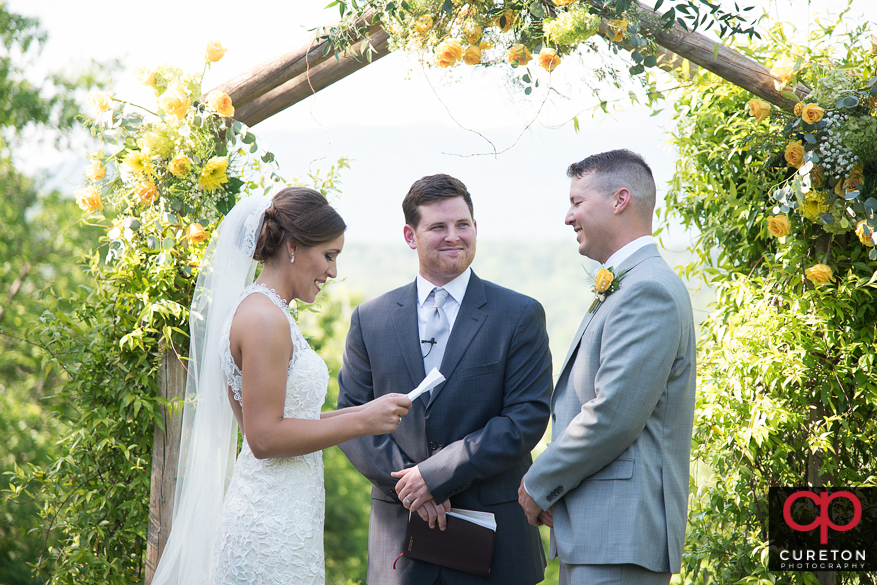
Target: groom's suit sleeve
x=510 y=436
x=639 y=343
x=375 y=456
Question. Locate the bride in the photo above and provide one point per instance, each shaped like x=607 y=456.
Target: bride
x=260 y=520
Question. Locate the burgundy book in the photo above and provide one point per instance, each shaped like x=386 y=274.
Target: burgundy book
x=466 y=544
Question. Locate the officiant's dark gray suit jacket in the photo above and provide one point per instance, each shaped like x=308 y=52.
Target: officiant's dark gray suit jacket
x=616 y=472
x=471 y=439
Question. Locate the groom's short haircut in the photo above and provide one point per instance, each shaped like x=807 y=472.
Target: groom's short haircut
x=433 y=189
x=617 y=169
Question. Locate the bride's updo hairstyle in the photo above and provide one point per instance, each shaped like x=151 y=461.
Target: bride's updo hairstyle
x=300 y=216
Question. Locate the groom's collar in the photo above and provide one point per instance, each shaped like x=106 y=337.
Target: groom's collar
x=626 y=251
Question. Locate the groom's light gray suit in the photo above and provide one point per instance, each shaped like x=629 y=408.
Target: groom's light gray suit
x=471 y=439
x=616 y=472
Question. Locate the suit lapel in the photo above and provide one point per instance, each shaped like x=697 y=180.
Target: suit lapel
x=405 y=324
x=576 y=341
x=637 y=257
x=466 y=325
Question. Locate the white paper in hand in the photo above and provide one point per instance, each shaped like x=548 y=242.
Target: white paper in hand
x=433 y=379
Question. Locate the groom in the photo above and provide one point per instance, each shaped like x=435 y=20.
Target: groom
x=613 y=483
x=468 y=443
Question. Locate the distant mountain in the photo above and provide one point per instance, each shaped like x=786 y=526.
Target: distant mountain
x=551 y=272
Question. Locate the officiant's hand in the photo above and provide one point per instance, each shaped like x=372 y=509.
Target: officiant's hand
x=413 y=492
x=435 y=513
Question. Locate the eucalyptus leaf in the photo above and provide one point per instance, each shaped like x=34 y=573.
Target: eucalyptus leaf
x=650 y=61
x=872 y=254
x=168 y=243
x=152 y=243
x=826 y=218
x=851 y=195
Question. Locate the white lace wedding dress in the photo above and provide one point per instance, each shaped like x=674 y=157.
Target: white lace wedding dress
x=271 y=531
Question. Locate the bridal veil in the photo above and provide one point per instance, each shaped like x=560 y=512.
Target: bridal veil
x=208 y=444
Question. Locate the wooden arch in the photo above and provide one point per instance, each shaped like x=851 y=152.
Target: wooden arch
x=273 y=86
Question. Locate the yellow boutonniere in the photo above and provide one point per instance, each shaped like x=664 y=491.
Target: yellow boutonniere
x=605 y=283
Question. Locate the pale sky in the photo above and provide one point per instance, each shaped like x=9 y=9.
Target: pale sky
x=386 y=117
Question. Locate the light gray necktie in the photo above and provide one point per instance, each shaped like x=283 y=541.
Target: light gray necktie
x=436 y=328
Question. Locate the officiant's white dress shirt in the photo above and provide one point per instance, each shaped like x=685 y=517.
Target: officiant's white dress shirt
x=456 y=291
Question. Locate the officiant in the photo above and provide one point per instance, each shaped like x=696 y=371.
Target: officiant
x=466 y=443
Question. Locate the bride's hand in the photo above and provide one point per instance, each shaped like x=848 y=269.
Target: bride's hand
x=383 y=415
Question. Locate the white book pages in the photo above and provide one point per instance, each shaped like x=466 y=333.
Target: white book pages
x=485 y=519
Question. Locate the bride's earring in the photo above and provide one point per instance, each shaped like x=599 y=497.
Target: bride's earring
x=291 y=257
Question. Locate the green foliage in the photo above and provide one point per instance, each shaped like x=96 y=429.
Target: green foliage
x=40 y=239
x=107 y=338
x=786 y=374
x=348 y=492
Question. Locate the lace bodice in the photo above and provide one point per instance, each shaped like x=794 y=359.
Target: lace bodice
x=307 y=371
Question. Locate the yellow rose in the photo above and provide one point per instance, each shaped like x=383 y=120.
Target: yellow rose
x=548 y=59
x=472 y=55
x=448 y=52
x=856 y=174
x=101 y=101
x=603 y=280
x=759 y=108
x=146 y=193
x=214 y=51
x=95 y=171
x=423 y=24
x=472 y=33
x=782 y=71
x=562 y=2
x=89 y=200
x=615 y=30
x=509 y=17
x=145 y=75
x=519 y=55
x=799 y=107
x=175 y=101
x=846 y=186
x=795 y=154
x=864 y=231
x=221 y=103
x=196 y=233
x=812 y=113
x=179 y=166
x=779 y=225
x=819 y=274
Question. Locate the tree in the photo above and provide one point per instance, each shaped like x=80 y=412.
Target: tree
x=40 y=240
x=787 y=392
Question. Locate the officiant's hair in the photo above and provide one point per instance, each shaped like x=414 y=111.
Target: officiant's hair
x=616 y=169
x=433 y=189
x=298 y=215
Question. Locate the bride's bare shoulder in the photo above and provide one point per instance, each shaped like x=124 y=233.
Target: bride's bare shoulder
x=259 y=318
